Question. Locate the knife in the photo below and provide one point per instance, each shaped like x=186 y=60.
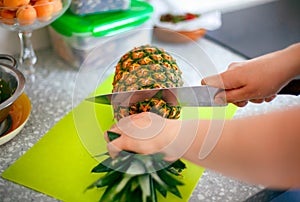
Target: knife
x=193 y=96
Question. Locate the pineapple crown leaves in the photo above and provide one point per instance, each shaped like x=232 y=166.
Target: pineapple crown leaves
x=150 y=163
x=129 y=189
x=142 y=174
x=112 y=136
x=136 y=179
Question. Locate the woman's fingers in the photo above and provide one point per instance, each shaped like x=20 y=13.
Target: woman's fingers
x=113 y=150
x=257 y=101
x=241 y=103
x=136 y=132
x=118 y=144
x=228 y=80
x=232 y=96
x=114 y=129
x=269 y=99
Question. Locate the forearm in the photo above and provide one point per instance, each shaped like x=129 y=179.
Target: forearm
x=294 y=57
x=275 y=69
x=289 y=58
x=261 y=149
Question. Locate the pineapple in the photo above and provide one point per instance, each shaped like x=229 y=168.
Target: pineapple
x=147 y=67
x=136 y=177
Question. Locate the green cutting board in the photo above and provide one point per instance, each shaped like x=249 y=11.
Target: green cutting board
x=60 y=164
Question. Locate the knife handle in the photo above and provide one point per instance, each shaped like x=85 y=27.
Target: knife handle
x=292 y=88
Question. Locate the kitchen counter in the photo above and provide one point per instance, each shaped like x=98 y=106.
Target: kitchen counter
x=51 y=97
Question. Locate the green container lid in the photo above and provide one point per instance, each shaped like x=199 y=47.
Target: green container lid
x=104 y=24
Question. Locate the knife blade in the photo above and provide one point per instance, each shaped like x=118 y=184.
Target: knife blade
x=193 y=96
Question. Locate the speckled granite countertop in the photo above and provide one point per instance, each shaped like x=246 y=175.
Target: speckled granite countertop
x=55 y=81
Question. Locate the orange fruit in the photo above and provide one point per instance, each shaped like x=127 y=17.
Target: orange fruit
x=26 y=15
x=57 y=5
x=44 y=9
x=15 y=3
x=8 y=16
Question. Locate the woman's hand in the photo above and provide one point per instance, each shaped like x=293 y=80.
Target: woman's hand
x=145 y=133
x=256 y=80
x=149 y=133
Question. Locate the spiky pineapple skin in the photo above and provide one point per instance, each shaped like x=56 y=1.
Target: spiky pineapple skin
x=147 y=67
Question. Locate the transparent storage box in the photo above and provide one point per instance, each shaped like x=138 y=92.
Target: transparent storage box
x=84 y=7
x=74 y=37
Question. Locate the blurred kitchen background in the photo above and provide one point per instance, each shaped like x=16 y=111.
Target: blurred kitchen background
x=249 y=27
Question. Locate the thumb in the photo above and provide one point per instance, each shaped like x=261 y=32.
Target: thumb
x=113 y=148
x=214 y=80
x=227 y=80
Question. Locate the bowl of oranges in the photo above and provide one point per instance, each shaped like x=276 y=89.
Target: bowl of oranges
x=22 y=15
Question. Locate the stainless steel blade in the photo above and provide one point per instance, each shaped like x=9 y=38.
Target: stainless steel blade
x=185 y=96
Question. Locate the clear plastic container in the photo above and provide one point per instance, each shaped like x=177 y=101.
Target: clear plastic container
x=84 y=7
x=74 y=37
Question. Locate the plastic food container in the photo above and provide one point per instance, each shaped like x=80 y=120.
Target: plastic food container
x=83 y=7
x=74 y=37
